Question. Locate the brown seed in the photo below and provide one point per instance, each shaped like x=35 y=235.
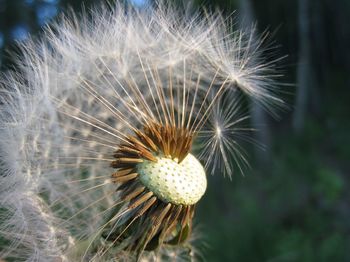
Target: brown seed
x=122 y=179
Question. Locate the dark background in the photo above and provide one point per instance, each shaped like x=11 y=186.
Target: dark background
x=294 y=203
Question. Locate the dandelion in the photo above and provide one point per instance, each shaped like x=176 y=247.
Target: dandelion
x=225 y=128
x=99 y=126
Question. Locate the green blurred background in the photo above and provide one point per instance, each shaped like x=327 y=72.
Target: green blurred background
x=294 y=203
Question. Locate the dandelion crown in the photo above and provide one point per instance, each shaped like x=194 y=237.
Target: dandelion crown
x=111 y=123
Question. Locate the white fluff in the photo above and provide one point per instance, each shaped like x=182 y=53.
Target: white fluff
x=79 y=90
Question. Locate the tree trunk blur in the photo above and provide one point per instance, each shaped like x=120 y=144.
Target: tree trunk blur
x=304 y=67
x=258 y=114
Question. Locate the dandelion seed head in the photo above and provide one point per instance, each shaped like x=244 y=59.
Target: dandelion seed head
x=179 y=183
x=97 y=113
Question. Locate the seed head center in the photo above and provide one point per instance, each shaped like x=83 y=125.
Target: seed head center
x=178 y=183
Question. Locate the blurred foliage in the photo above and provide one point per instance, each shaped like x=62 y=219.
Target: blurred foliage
x=295 y=207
